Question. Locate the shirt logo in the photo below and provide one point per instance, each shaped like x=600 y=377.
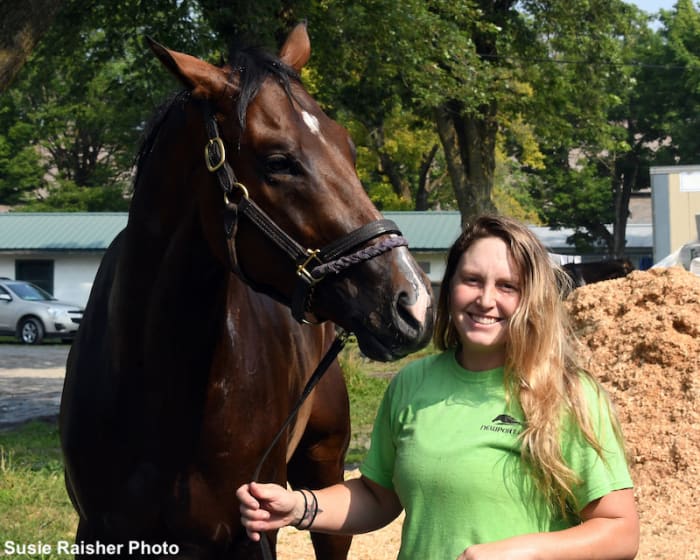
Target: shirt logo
x=505 y=424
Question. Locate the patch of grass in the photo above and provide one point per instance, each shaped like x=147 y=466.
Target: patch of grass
x=365 y=393
x=367 y=380
x=34 y=505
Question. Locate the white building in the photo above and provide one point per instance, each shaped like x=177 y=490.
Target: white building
x=62 y=251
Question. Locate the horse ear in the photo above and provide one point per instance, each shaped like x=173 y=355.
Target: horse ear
x=296 y=50
x=204 y=80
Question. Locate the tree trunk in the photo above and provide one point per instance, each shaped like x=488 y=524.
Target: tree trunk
x=22 y=24
x=424 y=186
x=388 y=167
x=624 y=180
x=469 y=143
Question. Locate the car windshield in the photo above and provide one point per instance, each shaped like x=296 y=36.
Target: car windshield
x=30 y=292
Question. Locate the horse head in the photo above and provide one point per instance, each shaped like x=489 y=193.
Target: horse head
x=294 y=221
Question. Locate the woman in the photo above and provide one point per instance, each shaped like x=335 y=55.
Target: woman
x=501 y=446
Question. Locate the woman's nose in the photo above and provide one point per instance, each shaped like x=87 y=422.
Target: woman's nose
x=487 y=296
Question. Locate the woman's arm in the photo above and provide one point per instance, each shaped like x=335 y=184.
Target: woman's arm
x=354 y=506
x=609 y=531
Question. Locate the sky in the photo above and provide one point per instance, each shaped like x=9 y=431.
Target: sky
x=653 y=6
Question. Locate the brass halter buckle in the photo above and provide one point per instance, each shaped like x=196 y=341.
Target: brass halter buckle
x=208 y=154
x=303 y=272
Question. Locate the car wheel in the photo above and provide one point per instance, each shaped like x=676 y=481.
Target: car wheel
x=31 y=331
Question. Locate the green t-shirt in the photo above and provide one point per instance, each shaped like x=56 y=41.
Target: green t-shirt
x=446 y=443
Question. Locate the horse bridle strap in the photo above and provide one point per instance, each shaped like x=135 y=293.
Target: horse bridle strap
x=328 y=358
x=312 y=265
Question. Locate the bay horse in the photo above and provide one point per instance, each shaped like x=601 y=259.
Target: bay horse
x=249 y=238
x=598 y=271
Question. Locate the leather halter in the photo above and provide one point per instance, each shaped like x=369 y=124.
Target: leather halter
x=311 y=265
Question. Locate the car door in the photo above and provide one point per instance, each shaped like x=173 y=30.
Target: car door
x=6 y=310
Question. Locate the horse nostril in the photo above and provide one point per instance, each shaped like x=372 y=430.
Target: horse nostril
x=406 y=309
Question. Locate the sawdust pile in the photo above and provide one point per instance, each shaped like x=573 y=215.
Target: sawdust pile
x=641 y=338
x=642 y=335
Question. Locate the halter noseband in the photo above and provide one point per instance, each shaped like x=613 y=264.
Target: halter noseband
x=312 y=265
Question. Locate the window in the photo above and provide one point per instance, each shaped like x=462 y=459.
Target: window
x=39 y=272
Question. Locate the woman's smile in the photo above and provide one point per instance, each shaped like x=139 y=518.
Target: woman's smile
x=483 y=319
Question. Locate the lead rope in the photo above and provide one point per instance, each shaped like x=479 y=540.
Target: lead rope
x=331 y=354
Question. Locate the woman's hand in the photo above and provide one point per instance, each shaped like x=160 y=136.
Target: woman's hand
x=496 y=551
x=609 y=531
x=265 y=507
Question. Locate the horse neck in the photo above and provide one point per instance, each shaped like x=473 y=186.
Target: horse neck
x=166 y=254
x=167 y=184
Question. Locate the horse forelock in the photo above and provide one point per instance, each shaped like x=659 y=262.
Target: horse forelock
x=251 y=66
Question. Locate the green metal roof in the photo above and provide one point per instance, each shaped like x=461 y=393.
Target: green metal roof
x=428 y=231
x=59 y=231
x=94 y=231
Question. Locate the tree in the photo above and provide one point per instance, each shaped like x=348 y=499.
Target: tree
x=673 y=92
x=87 y=92
x=22 y=24
x=641 y=103
x=460 y=68
x=362 y=54
x=21 y=169
x=589 y=119
x=502 y=100
x=264 y=23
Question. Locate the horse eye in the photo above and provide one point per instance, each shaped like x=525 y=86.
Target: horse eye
x=279 y=164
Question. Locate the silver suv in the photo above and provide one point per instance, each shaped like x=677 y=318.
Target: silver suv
x=32 y=314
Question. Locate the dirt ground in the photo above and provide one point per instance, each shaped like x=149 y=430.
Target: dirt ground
x=31 y=382
x=641 y=336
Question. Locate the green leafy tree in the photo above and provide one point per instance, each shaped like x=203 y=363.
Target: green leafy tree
x=673 y=93
x=588 y=119
x=446 y=64
x=88 y=90
x=360 y=63
x=641 y=105
x=22 y=24
x=264 y=23
x=21 y=169
x=65 y=196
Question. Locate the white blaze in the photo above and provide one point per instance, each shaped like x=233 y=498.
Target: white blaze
x=311 y=122
x=423 y=300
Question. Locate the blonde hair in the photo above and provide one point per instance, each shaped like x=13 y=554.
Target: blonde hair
x=541 y=369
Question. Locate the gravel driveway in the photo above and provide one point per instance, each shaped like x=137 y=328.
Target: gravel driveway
x=31 y=381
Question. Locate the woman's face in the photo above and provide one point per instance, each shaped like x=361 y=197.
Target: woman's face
x=484 y=294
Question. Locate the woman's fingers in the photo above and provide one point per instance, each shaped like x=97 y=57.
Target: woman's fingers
x=263 y=507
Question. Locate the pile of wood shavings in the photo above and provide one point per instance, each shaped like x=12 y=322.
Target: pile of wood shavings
x=641 y=335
